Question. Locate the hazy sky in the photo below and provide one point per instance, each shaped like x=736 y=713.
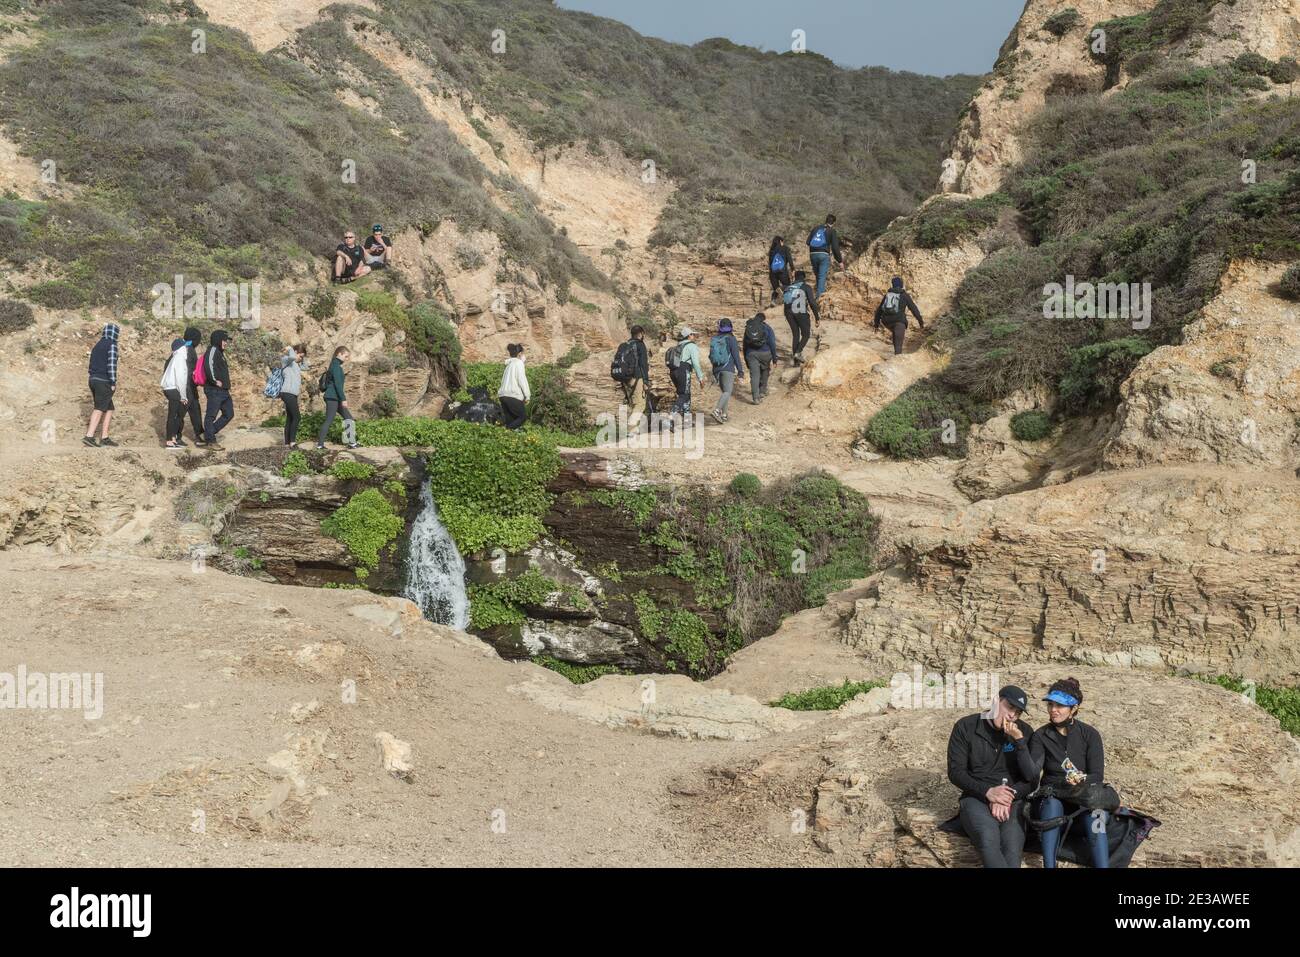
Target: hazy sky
x=924 y=36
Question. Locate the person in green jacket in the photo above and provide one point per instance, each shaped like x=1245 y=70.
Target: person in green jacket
x=336 y=401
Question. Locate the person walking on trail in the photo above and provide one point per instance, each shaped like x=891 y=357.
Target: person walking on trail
x=989 y=761
x=1069 y=753
x=779 y=261
x=631 y=370
x=193 y=408
x=892 y=312
x=683 y=359
x=336 y=401
x=799 y=301
x=823 y=244
x=174 y=387
x=103 y=383
x=724 y=356
x=514 y=394
x=216 y=389
x=760 y=355
x=292 y=363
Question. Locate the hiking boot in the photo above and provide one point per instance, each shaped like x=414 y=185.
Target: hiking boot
x=107 y=441
x=90 y=441
x=719 y=417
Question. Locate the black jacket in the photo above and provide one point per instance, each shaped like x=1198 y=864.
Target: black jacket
x=979 y=758
x=192 y=336
x=833 y=244
x=216 y=369
x=810 y=296
x=642 y=361
x=784 y=250
x=907 y=306
x=1081 y=744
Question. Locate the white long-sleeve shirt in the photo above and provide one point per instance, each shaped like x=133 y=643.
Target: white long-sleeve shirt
x=514 y=381
x=177 y=374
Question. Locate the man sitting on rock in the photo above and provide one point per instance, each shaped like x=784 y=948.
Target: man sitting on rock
x=348 y=255
x=990 y=763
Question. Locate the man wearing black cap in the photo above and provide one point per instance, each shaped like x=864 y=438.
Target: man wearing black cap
x=989 y=761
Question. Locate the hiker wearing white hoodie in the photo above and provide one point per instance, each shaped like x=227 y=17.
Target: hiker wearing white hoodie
x=514 y=393
x=176 y=387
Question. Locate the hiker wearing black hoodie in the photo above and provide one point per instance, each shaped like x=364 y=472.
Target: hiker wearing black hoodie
x=779 y=261
x=989 y=761
x=799 y=301
x=220 y=407
x=103 y=383
x=192 y=407
x=892 y=311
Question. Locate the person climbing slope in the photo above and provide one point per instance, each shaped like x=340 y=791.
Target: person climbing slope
x=779 y=261
x=216 y=389
x=892 y=312
x=724 y=356
x=683 y=359
x=631 y=370
x=193 y=407
x=760 y=355
x=799 y=301
x=174 y=387
x=103 y=383
x=824 y=243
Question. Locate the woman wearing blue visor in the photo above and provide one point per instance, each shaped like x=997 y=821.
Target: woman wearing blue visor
x=1070 y=754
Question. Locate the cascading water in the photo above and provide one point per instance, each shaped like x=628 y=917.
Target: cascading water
x=435 y=572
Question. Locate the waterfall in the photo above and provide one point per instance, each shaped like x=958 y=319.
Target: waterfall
x=435 y=572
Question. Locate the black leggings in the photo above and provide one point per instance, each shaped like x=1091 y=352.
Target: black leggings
x=516 y=413
x=800 y=331
x=175 y=414
x=899 y=329
x=195 y=411
x=291 y=417
x=779 y=281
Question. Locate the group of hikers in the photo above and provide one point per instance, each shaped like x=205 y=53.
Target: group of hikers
x=189 y=368
x=756 y=351
x=1013 y=779
x=732 y=354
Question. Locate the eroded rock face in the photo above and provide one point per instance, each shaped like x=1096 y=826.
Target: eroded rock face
x=1215 y=769
x=1154 y=568
x=1030 y=69
x=1229 y=393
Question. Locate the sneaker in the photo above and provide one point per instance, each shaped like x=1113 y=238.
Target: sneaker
x=320 y=447
x=726 y=417
x=354 y=445
x=171 y=445
x=107 y=441
x=90 y=441
x=719 y=417
x=200 y=440
x=182 y=444
x=214 y=447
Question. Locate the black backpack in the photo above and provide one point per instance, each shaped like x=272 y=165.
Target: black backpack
x=323 y=382
x=755 y=334
x=624 y=366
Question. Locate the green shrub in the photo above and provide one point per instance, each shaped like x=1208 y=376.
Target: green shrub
x=57 y=294
x=15 y=315
x=384 y=404
x=366 y=525
x=1062 y=22
x=745 y=484
x=502 y=602
x=345 y=470
x=1289 y=286
x=295 y=464
x=578 y=674
x=827 y=698
x=571 y=358
x=1224 y=369
x=1031 y=426
x=916 y=424
x=1095 y=372
x=321 y=305
x=946 y=221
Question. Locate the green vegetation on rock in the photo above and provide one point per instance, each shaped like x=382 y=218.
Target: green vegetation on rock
x=826 y=698
x=366 y=525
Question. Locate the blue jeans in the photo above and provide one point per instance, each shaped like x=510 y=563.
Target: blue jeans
x=821 y=263
x=1094 y=821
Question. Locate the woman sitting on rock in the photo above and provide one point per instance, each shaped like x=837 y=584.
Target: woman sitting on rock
x=1070 y=754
